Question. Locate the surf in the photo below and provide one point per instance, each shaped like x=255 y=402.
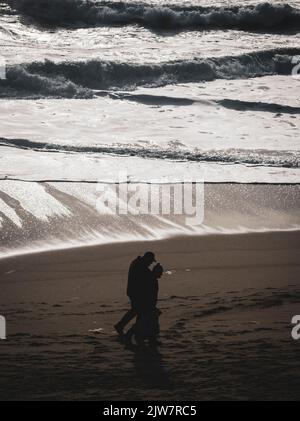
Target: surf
x=267 y=158
x=76 y=13
x=82 y=79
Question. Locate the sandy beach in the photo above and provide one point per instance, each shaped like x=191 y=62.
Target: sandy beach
x=227 y=303
x=169 y=127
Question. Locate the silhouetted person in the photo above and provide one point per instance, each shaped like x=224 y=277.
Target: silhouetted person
x=147 y=324
x=139 y=273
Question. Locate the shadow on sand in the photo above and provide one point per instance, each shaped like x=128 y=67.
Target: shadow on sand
x=149 y=367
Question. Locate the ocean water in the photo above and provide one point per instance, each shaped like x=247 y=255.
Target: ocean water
x=172 y=82
x=161 y=91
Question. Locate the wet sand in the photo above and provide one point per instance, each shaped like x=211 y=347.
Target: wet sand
x=227 y=303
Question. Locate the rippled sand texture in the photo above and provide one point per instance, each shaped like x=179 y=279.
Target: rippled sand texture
x=227 y=306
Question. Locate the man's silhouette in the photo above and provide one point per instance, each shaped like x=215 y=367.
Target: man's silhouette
x=139 y=272
x=147 y=324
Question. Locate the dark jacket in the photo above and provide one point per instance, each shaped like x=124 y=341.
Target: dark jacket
x=137 y=278
x=149 y=294
x=152 y=293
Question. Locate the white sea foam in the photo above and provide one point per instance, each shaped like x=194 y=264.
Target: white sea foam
x=264 y=16
x=83 y=79
x=92 y=88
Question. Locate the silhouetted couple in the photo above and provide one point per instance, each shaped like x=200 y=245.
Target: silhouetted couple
x=142 y=291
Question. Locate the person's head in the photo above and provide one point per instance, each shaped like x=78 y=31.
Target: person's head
x=158 y=271
x=149 y=258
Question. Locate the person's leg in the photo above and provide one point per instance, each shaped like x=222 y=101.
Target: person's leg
x=129 y=334
x=130 y=315
x=135 y=331
x=155 y=328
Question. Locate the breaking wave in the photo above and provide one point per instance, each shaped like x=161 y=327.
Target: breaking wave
x=266 y=158
x=83 y=79
x=264 y=16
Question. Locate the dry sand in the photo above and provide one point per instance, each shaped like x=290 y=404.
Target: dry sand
x=227 y=303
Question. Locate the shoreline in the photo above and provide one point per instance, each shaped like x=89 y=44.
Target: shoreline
x=151 y=242
x=115 y=183
x=270 y=241
x=120 y=136
x=68 y=215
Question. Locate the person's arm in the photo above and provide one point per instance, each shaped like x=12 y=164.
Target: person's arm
x=130 y=282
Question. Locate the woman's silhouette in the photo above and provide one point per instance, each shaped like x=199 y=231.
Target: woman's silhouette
x=147 y=324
